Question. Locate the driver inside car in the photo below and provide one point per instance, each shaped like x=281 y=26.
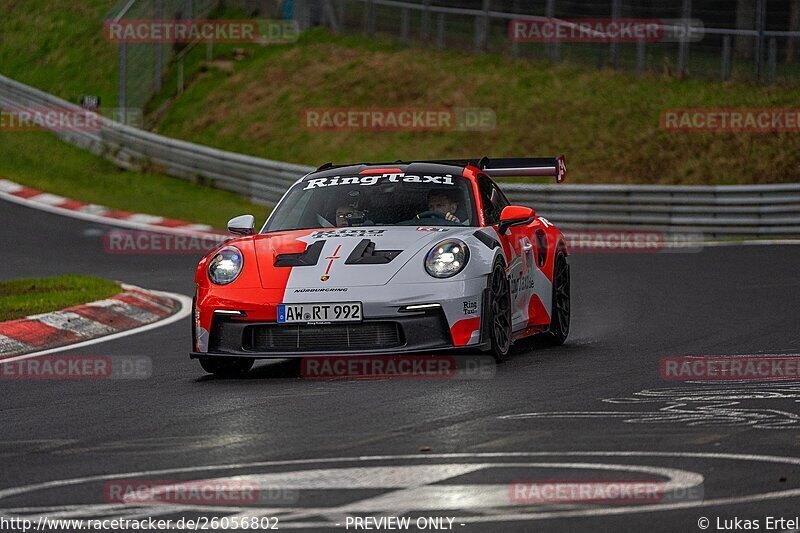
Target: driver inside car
x=349 y=215
x=444 y=203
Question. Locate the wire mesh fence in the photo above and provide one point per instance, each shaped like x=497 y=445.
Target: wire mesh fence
x=729 y=39
x=753 y=40
x=144 y=67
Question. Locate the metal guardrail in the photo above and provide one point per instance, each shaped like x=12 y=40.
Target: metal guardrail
x=720 y=211
x=261 y=180
x=715 y=211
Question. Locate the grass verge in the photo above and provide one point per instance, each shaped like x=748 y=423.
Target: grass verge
x=31 y=296
x=606 y=122
x=58 y=46
x=42 y=161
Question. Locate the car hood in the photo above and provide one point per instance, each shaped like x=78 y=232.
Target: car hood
x=345 y=257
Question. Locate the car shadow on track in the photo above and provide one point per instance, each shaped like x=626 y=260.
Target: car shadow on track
x=526 y=351
x=277 y=369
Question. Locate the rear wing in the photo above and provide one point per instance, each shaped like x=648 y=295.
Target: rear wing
x=525 y=166
x=499 y=167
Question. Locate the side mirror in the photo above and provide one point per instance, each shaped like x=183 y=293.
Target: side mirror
x=515 y=215
x=242 y=225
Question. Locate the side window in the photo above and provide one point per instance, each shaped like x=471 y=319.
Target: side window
x=493 y=200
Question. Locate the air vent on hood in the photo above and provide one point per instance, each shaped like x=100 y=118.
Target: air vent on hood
x=365 y=254
x=307 y=258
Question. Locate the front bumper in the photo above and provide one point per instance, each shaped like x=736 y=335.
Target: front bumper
x=387 y=327
x=418 y=332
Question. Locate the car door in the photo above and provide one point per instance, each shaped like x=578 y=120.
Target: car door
x=519 y=249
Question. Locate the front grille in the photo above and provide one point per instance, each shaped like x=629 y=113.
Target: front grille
x=318 y=338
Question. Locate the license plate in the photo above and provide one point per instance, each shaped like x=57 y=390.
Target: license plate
x=319 y=313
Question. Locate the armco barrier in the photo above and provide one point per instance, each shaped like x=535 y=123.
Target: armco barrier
x=261 y=180
x=715 y=211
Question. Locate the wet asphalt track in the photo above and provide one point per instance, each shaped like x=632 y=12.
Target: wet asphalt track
x=587 y=396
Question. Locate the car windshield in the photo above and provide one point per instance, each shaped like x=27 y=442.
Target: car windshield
x=376 y=200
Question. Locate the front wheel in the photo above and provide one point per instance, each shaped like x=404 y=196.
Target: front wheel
x=499 y=315
x=227 y=367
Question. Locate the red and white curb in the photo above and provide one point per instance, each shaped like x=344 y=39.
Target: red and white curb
x=20 y=194
x=131 y=311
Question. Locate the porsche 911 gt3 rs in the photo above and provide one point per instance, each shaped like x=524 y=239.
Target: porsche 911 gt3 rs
x=383 y=259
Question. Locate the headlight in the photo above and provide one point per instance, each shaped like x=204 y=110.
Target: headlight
x=225 y=266
x=447 y=259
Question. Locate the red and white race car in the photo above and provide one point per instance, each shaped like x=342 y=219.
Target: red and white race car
x=386 y=259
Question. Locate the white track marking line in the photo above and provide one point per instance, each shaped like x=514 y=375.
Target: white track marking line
x=183 y=312
x=748 y=242
x=472 y=519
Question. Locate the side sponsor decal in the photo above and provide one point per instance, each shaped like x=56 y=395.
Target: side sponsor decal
x=430 y=228
x=322 y=289
x=521 y=282
x=470 y=307
x=333 y=233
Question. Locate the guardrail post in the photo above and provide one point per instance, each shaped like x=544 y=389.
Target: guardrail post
x=158 y=67
x=482 y=27
x=369 y=18
x=425 y=20
x=302 y=14
x=440 y=30
x=760 y=23
x=329 y=12
x=641 y=56
x=726 y=58
x=122 y=93
x=683 y=45
x=601 y=56
x=553 y=48
x=514 y=43
x=773 y=60
x=616 y=8
x=404 y=24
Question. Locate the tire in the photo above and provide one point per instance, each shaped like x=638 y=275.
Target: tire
x=559 y=321
x=227 y=367
x=499 y=314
